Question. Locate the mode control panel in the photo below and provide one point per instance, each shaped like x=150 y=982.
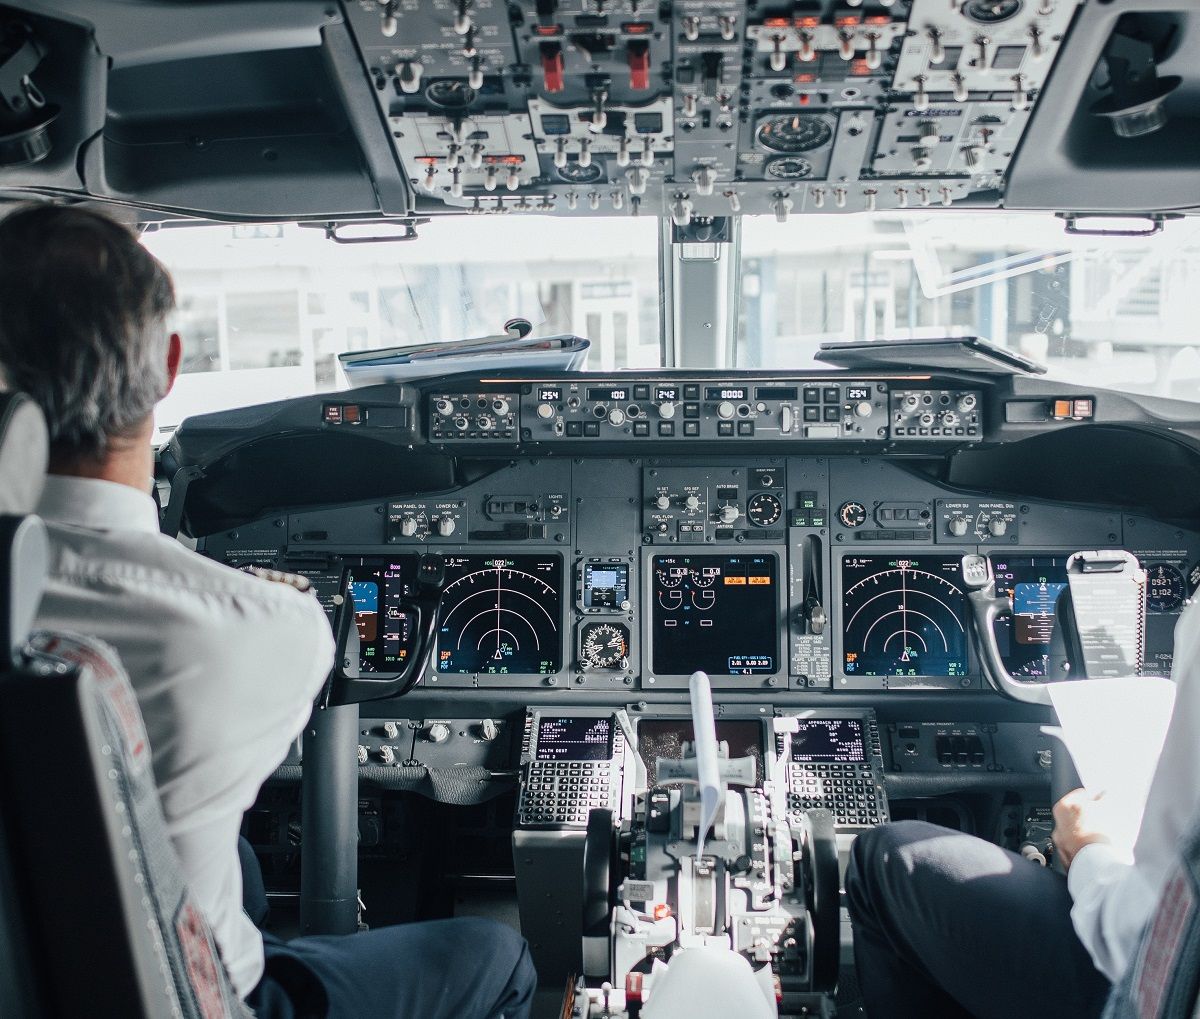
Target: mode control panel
x=935 y=414
x=705 y=410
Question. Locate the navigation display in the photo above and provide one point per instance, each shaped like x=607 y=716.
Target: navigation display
x=833 y=740
x=1035 y=584
x=574 y=739
x=501 y=614
x=714 y=613
x=903 y=616
x=384 y=628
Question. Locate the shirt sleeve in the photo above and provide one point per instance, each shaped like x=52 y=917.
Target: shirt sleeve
x=1113 y=897
x=1112 y=902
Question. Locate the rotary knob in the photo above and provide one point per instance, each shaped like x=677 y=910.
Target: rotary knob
x=863 y=409
x=725 y=410
x=910 y=403
x=616 y=417
x=438 y=732
x=545 y=411
x=408 y=527
x=391 y=730
x=666 y=411
x=957 y=525
x=461 y=423
x=949 y=419
x=966 y=403
x=363 y=754
x=997 y=527
x=387 y=755
x=486 y=421
x=663 y=502
x=445 y=408
x=500 y=406
x=728 y=514
x=488 y=730
x=445 y=526
x=692 y=502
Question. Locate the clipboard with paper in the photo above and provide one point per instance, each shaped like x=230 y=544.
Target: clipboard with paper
x=1114 y=721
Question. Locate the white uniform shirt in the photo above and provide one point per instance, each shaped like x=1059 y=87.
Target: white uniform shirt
x=225 y=667
x=1113 y=897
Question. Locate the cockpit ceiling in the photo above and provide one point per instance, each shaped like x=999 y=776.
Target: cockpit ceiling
x=693 y=110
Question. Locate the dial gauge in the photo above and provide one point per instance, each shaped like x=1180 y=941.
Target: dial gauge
x=1164 y=588
x=764 y=509
x=789 y=168
x=604 y=646
x=794 y=132
x=852 y=514
x=450 y=94
x=990 y=12
x=670 y=576
x=577 y=173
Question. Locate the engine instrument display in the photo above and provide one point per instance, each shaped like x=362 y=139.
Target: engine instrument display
x=1034 y=583
x=716 y=613
x=574 y=739
x=828 y=740
x=384 y=628
x=903 y=616
x=501 y=615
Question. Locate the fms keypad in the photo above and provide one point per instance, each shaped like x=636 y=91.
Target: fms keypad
x=574 y=769
x=835 y=764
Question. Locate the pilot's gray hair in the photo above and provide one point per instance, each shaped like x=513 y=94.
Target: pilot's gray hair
x=83 y=309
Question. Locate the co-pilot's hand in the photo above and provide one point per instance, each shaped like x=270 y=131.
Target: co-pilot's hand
x=1078 y=821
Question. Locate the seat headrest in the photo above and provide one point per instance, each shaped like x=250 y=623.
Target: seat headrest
x=24 y=451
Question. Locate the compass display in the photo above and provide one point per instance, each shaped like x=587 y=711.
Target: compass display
x=715 y=613
x=903 y=616
x=501 y=615
x=1035 y=584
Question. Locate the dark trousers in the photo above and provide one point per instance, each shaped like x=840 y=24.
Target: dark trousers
x=467 y=968
x=947 y=925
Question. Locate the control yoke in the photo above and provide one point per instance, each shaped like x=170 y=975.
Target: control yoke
x=1101 y=615
x=986 y=608
x=349 y=685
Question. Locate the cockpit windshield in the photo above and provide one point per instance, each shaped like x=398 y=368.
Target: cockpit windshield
x=264 y=310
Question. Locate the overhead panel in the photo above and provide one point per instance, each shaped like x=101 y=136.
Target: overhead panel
x=701 y=110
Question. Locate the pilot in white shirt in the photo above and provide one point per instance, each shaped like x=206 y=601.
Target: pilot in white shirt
x=225 y=665
x=951 y=925
x=1115 y=896
x=220 y=712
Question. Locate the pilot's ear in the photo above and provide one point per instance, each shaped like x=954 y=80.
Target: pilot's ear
x=174 y=357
